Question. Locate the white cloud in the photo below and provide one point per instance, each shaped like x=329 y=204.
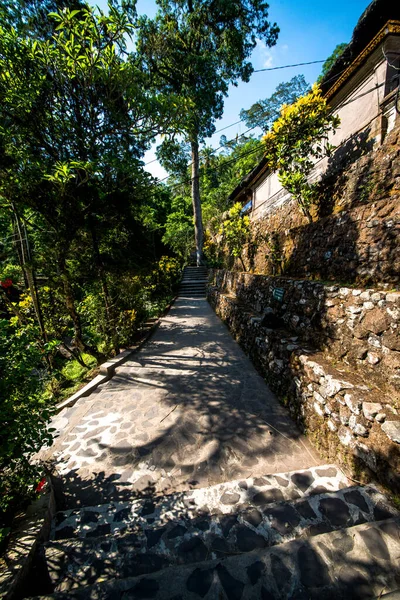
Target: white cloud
x=270 y=57
x=260 y=44
x=268 y=60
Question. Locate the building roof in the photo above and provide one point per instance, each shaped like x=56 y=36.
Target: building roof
x=372 y=21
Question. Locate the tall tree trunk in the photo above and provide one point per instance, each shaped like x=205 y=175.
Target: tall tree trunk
x=198 y=218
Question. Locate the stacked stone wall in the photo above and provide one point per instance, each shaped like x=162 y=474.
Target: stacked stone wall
x=332 y=355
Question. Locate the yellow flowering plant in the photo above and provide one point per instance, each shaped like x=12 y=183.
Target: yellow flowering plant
x=299 y=138
x=236 y=232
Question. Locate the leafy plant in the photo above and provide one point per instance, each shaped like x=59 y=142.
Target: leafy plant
x=236 y=232
x=23 y=413
x=296 y=141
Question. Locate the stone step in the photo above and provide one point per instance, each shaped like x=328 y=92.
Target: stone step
x=221 y=499
x=188 y=295
x=358 y=562
x=151 y=547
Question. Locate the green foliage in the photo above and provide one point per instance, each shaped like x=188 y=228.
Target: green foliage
x=179 y=234
x=174 y=156
x=297 y=139
x=264 y=112
x=328 y=64
x=235 y=232
x=24 y=415
x=219 y=176
x=139 y=297
x=81 y=220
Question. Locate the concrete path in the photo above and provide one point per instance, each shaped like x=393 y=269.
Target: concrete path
x=189 y=410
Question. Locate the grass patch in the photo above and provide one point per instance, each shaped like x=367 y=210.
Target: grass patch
x=70 y=378
x=74 y=372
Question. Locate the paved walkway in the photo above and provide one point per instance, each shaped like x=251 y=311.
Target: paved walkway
x=189 y=410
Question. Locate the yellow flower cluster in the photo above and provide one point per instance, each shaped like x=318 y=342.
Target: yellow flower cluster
x=309 y=106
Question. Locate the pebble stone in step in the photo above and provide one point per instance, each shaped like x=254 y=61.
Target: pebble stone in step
x=223 y=498
x=357 y=563
x=79 y=562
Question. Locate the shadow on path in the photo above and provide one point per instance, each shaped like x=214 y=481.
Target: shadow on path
x=189 y=410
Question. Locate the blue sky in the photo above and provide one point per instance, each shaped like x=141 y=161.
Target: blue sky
x=310 y=30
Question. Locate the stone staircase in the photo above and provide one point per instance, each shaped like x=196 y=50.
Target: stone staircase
x=193 y=282
x=302 y=534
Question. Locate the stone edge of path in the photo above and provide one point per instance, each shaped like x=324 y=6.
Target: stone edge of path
x=107 y=369
x=30 y=531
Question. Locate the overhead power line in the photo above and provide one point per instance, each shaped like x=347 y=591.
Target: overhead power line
x=242 y=120
x=313 y=62
x=215 y=132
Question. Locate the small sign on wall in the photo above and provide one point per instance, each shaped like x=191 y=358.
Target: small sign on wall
x=247 y=207
x=278 y=294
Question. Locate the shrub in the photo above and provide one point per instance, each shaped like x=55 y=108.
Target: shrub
x=297 y=139
x=23 y=413
x=236 y=232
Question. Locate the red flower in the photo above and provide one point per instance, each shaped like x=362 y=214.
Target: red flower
x=41 y=485
x=7 y=283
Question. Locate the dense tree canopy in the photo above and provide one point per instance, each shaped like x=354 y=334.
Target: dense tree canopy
x=81 y=263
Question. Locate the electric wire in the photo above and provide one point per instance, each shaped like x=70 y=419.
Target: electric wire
x=242 y=120
x=254 y=150
x=312 y=62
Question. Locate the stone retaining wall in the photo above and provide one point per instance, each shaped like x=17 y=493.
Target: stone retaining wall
x=332 y=356
x=359 y=327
